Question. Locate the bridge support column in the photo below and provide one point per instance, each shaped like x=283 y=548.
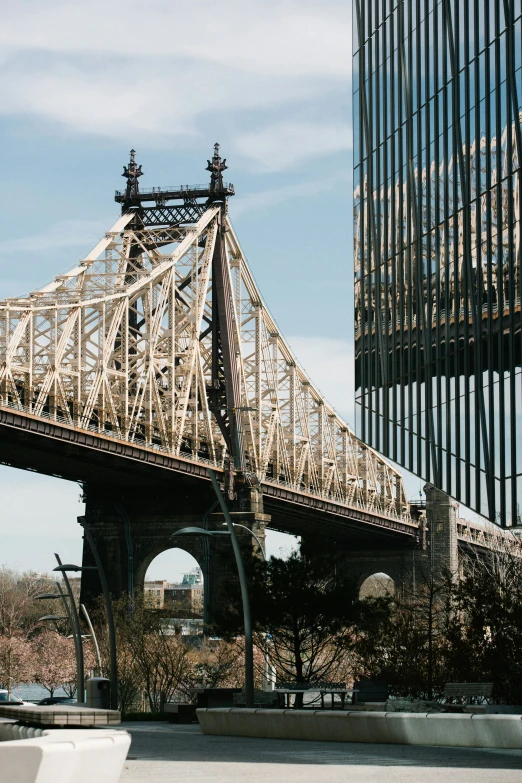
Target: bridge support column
x=129 y=534
x=433 y=557
x=441 y=518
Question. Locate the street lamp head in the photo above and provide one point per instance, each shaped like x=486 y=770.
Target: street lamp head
x=191 y=531
x=71 y=567
x=46 y=596
x=199 y=531
x=51 y=617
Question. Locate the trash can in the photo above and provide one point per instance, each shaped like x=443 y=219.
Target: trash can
x=98 y=691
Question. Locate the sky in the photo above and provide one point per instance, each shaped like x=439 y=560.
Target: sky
x=82 y=84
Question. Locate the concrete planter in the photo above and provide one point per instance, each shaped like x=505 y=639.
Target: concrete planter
x=456 y=730
x=64 y=755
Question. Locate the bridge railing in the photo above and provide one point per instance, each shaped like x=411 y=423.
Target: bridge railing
x=111 y=434
x=501 y=539
x=380 y=509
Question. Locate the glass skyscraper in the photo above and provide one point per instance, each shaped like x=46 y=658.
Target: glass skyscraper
x=437 y=235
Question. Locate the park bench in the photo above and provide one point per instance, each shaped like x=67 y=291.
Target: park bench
x=462 y=693
x=369 y=691
x=214 y=697
x=287 y=689
x=180 y=712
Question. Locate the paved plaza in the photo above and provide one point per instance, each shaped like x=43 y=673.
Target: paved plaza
x=161 y=752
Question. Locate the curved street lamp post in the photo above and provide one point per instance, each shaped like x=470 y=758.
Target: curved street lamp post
x=75 y=630
x=108 y=608
x=247 y=617
x=238 y=524
x=94 y=638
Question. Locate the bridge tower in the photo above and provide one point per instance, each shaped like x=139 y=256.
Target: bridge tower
x=131 y=527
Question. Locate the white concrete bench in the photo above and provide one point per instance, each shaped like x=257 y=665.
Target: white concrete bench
x=62 y=755
x=457 y=730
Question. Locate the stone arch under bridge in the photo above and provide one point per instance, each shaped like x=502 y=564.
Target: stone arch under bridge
x=378 y=585
x=130 y=533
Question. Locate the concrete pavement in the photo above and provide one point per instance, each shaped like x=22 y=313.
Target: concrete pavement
x=165 y=752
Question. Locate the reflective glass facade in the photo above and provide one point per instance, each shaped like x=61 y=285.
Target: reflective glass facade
x=437 y=202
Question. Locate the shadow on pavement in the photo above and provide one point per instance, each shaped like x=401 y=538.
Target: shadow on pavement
x=168 y=742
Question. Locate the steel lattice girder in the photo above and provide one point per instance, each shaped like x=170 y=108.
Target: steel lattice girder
x=122 y=344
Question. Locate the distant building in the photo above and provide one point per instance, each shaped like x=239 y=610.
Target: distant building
x=194 y=577
x=185 y=598
x=155 y=592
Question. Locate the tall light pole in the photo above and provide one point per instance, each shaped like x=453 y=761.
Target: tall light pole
x=108 y=607
x=110 y=615
x=269 y=672
x=93 y=635
x=247 y=617
x=61 y=595
x=77 y=631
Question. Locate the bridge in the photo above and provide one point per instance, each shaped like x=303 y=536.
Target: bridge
x=156 y=358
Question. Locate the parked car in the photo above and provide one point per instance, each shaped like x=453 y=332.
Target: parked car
x=14 y=700
x=55 y=700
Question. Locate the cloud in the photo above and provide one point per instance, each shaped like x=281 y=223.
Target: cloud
x=265 y=199
x=286 y=144
x=66 y=233
x=293 y=38
x=145 y=100
x=328 y=363
x=43 y=251
x=107 y=69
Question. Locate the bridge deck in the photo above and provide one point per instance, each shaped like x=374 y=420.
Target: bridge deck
x=56 y=449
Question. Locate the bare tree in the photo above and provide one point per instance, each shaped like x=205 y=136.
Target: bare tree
x=403 y=638
x=16 y=622
x=54 y=662
x=130 y=682
x=15 y=661
x=163 y=661
x=218 y=663
x=485 y=635
x=150 y=658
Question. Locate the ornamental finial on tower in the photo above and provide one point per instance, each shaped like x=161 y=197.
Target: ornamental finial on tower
x=132 y=172
x=216 y=166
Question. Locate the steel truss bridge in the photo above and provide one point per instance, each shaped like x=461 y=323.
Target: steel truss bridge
x=156 y=356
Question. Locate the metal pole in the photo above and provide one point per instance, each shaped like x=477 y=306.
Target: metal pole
x=73 y=630
x=247 y=619
x=93 y=636
x=110 y=618
x=206 y=570
x=77 y=632
x=268 y=672
x=237 y=524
